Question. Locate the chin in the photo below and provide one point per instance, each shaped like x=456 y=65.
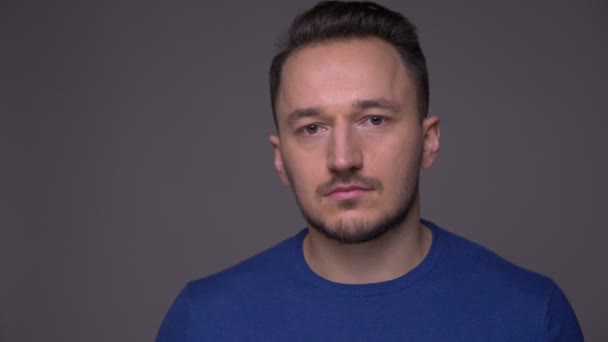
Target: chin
x=356 y=224
x=354 y=230
x=353 y=233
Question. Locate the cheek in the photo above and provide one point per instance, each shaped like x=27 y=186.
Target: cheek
x=303 y=171
x=394 y=156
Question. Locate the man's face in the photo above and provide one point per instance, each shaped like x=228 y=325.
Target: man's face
x=351 y=140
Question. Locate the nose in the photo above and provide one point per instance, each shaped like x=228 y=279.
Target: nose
x=344 y=153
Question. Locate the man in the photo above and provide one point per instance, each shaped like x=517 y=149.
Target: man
x=350 y=97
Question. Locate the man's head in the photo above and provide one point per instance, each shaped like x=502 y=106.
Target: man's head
x=353 y=133
x=336 y=20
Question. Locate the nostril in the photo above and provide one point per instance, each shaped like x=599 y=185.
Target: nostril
x=351 y=160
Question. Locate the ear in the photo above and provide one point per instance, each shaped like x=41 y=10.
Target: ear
x=275 y=141
x=430 y=134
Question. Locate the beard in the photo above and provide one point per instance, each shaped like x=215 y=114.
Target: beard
x=360 y=230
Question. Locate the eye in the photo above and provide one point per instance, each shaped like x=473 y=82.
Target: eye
x=310 y=129
x=376 y=120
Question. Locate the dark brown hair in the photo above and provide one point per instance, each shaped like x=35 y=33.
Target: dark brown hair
x=338 y=20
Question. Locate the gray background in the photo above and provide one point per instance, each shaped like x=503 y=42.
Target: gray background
x=135 y=154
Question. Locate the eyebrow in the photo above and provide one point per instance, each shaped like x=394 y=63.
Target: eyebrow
x=298 y=114
x=380 y=103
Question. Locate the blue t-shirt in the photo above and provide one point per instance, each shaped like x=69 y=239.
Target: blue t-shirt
x=459 y=292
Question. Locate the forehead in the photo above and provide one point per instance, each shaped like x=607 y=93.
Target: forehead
x=339 y=73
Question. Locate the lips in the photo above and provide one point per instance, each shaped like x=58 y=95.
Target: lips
x=343 y=192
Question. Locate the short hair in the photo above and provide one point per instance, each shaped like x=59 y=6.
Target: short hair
x=338 y=20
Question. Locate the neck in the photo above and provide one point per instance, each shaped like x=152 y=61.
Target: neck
x=388 y=257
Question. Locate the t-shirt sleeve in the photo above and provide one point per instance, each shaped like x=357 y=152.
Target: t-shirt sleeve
x=560 y=321
x=175 y=326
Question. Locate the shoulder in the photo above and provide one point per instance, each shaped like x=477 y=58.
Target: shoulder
x=254 y=274
x=474 y=266
x=229 y=293
x=503 y=290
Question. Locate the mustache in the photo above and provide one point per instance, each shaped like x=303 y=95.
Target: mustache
x=350 y=179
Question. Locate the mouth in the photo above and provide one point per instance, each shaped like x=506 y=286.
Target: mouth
x=345 y=192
